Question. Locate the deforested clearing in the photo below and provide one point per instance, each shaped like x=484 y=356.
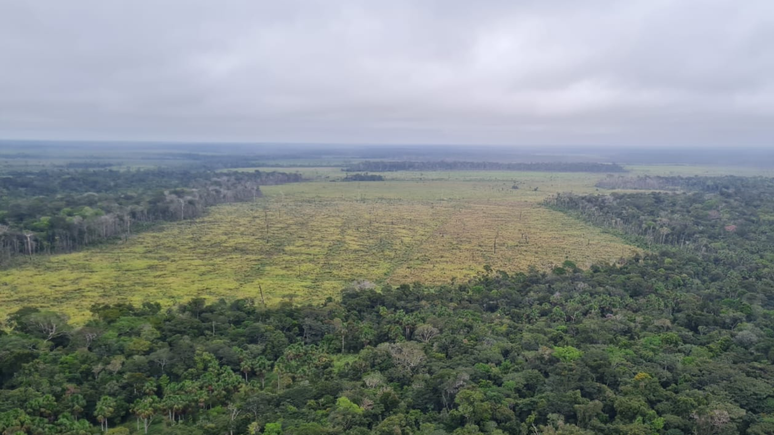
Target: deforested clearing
x=307 y=241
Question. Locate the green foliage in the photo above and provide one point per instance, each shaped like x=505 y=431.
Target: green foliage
x=567 y=353
x=272 y=429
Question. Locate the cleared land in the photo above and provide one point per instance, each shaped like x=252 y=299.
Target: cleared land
x=306 y=241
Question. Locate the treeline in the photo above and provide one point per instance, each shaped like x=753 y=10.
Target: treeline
x=61 y=211
x=363 y=177
x=392 y=166
x=729 y=221
x=204 y=160
x=25 y=184
x=90 y=165
x=700 y=184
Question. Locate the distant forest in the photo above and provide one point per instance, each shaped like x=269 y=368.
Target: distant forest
x=363 y=177
x=727 y=183
x=60 y=211
x=387 y=166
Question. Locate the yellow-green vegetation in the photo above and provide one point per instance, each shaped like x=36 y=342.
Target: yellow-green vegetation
x=307 y=241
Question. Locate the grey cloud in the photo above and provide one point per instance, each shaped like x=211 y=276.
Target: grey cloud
x=601 y=72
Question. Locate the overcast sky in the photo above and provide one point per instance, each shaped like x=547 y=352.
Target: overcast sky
x=647 y=72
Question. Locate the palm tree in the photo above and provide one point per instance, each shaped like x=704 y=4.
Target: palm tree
x=145 y=409
x=246 y=367
x=76 y=404
x=261 y=366
x=104 y=410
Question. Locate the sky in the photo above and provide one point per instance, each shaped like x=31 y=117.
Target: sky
x=539 y=73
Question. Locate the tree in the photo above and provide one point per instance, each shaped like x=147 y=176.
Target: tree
x=145 y=409
x=233 y=414
x=272 y=429
x=567 y=353
x=162 y=357
x=115 y=364
x=43 y=406
x=345 y=414
x=45 y=324
x=261 y=366
x=246 y=367
x=394 y=424
x=104 y=410
x=255 y=402
x=472 y=405
x=75 y=403
x=587 y=412
x=408 y=355
x=341 y=330
x=426 y=332
x=718 y=419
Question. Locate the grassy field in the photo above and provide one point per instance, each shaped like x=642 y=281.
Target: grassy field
x=306 y=241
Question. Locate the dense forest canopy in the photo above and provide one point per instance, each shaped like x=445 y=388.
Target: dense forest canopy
x=678 y=341
x=59 y=211
x=392 y=166
x=730 y=217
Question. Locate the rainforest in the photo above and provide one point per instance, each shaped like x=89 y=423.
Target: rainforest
x=223 y=294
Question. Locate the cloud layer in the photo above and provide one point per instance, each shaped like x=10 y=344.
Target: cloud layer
x=649 y=72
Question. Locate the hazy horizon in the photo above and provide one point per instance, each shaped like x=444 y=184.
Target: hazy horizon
x=639 y=74
x=655 y=147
